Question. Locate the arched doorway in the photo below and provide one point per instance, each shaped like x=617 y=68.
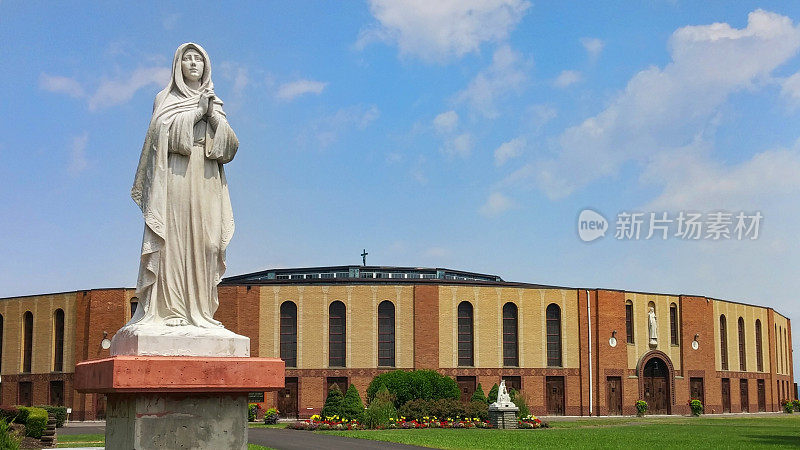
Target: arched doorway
x=656 y=386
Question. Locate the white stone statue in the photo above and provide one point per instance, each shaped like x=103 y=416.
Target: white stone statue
x=652 y=326
x=181 y=189
x=503 y=398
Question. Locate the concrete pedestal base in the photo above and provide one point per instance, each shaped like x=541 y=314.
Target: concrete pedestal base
x=503 y=417
x=174 y=402
x=151 y=340
x=177 y=421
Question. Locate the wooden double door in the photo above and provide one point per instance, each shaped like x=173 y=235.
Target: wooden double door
x=287 y=399
x=656 y=387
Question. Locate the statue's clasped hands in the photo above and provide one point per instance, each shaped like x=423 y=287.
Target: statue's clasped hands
x=206 y=103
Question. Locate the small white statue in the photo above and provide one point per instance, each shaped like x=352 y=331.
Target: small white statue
x=503 y=398
x=652 y=326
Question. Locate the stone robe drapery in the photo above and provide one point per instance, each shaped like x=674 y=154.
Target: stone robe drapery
x=181 y=189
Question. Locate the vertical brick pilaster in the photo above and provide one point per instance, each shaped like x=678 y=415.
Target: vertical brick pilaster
x=426 y=327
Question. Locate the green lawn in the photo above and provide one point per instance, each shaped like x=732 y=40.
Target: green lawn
x=98 y=440
x=678 y=432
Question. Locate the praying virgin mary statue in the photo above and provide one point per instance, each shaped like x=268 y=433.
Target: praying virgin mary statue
x=181 y=189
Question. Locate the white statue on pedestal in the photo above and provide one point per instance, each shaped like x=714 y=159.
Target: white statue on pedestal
x=503 y=398
x=652 y=326
x=181 y=189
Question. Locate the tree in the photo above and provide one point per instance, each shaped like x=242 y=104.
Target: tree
x=333 y=404
x=352 y=408
x=493 y=394
x=478 y=395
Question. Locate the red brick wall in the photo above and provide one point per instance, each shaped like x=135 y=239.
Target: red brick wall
x=697 y=317
x=239 y=311
x=609 y=315
x=426 y=327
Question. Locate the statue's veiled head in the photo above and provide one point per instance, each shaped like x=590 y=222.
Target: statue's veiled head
x=191 y=70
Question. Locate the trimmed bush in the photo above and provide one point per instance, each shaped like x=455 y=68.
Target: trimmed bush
x=58 y=412
x=352 y=408
x=493 y=394
x=333 y=404
x=478 y=395
x=518 y=399
x=7 y=440
x=414 y=384
x=271 y=416
x=447 y=408
x=415 y=409
x=696 y=406
x=788 y=406
x=477 y=409
x=380 y=410
x=252 y=410
x=641 y=408
x=36 y=421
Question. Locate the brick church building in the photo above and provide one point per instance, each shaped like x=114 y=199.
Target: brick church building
x=570 y=351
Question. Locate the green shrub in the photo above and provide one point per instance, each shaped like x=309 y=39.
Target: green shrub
x=352 y=408
x=788 y=406
x=414 y=384
x=519 y=400
x=8 y=413
x=641 y=408
x=478 y=395
x=380 y=410
x=477 y=409
x=36 y=422
x=796 y=404
x=493 y=394
x=271 y=416
x=415 y=409
x=696 y=406
x=252 y=409
x=7 y=440
x=22 y=416
x=58 y=412
x=447 y=408
x=333 y=404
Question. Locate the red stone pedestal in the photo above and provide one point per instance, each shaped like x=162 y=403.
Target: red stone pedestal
x=164 y=402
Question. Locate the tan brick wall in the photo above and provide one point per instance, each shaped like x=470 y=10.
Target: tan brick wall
x=641 y=331
x=732 y=312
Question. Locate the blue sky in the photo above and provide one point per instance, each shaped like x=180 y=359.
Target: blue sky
x=464 y=134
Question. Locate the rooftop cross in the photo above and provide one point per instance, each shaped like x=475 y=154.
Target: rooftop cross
x=364 y=256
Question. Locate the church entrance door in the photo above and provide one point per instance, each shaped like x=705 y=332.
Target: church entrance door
x=614 y=389
x=656 y=386
x=287 y=399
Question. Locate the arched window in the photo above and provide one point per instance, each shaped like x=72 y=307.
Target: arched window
x=465 y=337
x=58 y=340
x=27 y=344
x=742 y=352
x=553 y=335
x=386 y=334
x=777 y=356
x=510 y=352
x=785 y=352
x=629 y=321
x=759 y=353
x=289 y=333
x=337 y=335
x=673 y=324
x=723 y=342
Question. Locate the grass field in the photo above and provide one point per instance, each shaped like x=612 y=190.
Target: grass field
x=779 y=431
x=98 y=440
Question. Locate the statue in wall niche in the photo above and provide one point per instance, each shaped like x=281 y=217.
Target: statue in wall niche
x=181 y=189
x=652 y=326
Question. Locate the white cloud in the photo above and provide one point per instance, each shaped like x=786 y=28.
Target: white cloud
x=496 y=204
x=790 y=89
x=593 y=47
x=443 y=29
x=446 y=122
x=539 y=116
x=327 y=130
x=294 y=89
x=77 y=160
x=664 y=110
x=567 y=78
x=120 y=90
x=508 y=150
x=61 y=85
x=455 y=144
x=506 y=74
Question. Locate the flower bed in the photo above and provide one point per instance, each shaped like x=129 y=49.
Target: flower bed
x=530 y=422
x=335 y=423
